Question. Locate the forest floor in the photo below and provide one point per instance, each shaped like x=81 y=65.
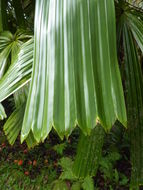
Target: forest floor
x=44 y=167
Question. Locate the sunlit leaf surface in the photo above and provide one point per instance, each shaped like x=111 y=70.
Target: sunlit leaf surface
x=76 y=79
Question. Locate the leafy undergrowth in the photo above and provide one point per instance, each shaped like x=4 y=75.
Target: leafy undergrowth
x=49 y=166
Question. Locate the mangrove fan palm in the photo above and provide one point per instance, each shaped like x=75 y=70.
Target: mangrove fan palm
x=71 y=64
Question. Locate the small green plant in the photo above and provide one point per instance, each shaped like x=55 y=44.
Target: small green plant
x=59 y=148
x=67 y=177
x=111 y=175
x=107 y=165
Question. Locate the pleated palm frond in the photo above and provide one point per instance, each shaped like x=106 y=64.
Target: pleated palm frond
x=89 y=153
x=20 y=96
x=134 y=91
x=19 y=73
x=6 y=39
x=135 y=22
x=133 y=18
x=13 y=124
x=76 y=79
x=10 y=45
x=131 y=26
x=2 y=112
x=136 y=3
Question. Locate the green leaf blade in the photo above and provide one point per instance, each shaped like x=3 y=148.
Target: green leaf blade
x=2 y=112
x=19 y=73
x=134 y=98
x=73 y=80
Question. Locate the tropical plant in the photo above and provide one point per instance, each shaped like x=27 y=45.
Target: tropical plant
x=73 y=66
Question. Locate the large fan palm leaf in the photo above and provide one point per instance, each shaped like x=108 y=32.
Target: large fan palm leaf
x=76 y=79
